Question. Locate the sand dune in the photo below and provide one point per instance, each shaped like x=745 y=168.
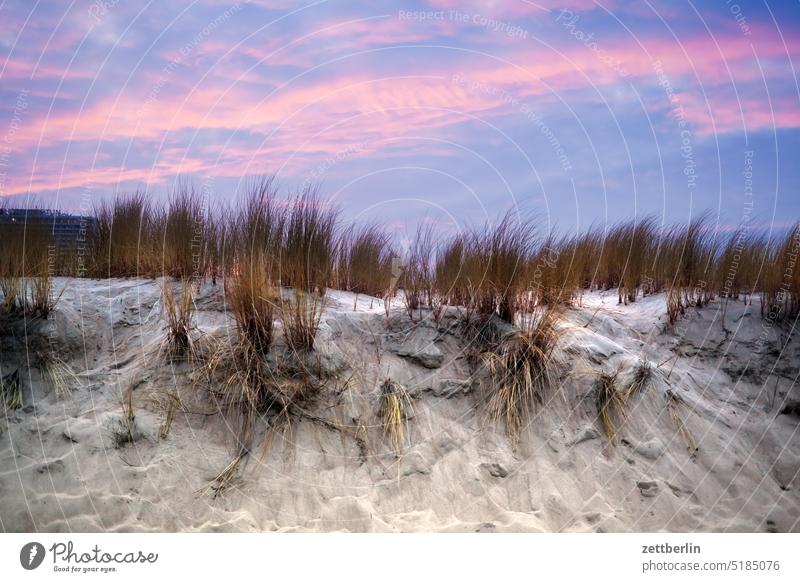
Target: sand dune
x=61 y=471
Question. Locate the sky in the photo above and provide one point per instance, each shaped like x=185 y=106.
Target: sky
x=578 y=113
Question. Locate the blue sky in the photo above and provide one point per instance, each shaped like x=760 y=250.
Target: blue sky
x=577 y=112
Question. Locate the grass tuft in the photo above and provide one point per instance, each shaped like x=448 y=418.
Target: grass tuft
x=227 y=477
x=11 y=391
x=28 y=263
x=674 y=405
x=301 y=314
x=418 y=275
x=395 y=405
x=781 y=281
x=519 y=367
x=500 y=268
x=610 y=404
x=123 y=240
x=123 y=431
x=178 y=344
x=170 y=402
x=642 y=374
x=60 y=376
x=309 y=244
x=183 y=229
x=364 y=264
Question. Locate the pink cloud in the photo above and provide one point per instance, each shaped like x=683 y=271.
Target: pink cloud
x=18 y=68
x=516 y=8
x=321 y=112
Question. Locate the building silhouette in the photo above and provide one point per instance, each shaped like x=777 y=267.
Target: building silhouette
x=64 y=231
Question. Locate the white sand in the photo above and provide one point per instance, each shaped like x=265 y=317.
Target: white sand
x=59 y=469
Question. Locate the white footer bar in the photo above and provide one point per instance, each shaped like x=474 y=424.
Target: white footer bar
x=406 y=557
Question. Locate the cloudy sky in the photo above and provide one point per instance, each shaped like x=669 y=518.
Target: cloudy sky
x=578 y=112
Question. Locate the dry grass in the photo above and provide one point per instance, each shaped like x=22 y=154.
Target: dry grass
x=184 y=229
x=227 y=477
x=519 y=367
x=301 y=314
x=28 y=263
x=738 y=264
x=254 y=234
x=395 y=406
x=610 y=404
x=59 y=375
x=585 y=252
x=122 y=239
x=638 y=258
x=123 y=431
x=43 y=298
x=248 y=387
x=499 y=268
x=675 y=305
x=504 y=249
x=642 y=374
x=309 y=244
x=688 y=260
x=450 y=280
x=252 y=298
x=486 y=270
x=251 y=290
x=11 y=267
x=278 y=257
x=132 y=236
x=364 y=265
x=269 y=242
x=219 y=244
x=246 y=383
x=674 y=405
x=178 y=344
x=308 y=253
x=171 y=404
x=418 y=274
x=781 y=280
x=629 y=246
x=14 y=295
x=11 y=391
x=553 y=273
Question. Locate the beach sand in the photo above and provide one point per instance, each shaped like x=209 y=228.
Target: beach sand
x=334 y=469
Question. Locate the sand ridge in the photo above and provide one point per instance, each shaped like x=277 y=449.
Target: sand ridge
x=60 y=470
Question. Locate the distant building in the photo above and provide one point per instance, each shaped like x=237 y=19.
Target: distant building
x=67 y=230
